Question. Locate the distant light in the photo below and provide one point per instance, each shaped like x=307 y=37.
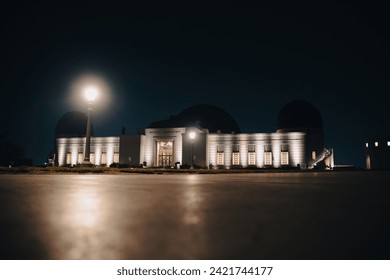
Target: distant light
x=376 y=144
x=91 y=93
x=366 y=145
x=192 y=135
x=388 y=143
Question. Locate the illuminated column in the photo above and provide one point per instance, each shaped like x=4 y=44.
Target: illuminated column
x=244 y=154
x=192 y=136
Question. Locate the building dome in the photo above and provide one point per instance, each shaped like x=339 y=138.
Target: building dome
x=299 y=115
x=72 y=124
x=203 y=116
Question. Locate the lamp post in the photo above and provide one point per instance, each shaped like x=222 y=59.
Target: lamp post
x=192 y=136
x=90 y=94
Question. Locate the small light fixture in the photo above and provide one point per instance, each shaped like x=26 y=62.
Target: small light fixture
x=376 y=144
x=366 y=145
x=192 y=135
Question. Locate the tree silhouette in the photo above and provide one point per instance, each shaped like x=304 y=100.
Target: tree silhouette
x=11 y=153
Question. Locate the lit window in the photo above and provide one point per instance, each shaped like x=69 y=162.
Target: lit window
x=251 y=155
x=236 y=158
x=251 y=158
x=220 y=158
x=68 y=158
x=80 y=158
x=284 y=158
x=366 y=145
x=92 y=158
x=267 y=158
x=116 y=157
x=376 y=144
x=104 y=158
x=313 y=155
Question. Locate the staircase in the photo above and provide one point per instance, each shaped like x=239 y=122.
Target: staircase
x=324 y=155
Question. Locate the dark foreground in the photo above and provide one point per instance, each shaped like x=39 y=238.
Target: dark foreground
x=335 y=215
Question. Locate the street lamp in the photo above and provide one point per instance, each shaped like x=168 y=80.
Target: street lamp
x=192 y=136
x=90 y=94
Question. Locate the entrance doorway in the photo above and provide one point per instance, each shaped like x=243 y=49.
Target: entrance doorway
x=164 y=153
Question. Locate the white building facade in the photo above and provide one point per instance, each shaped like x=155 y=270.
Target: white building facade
x=170 y=147
x=216 y=142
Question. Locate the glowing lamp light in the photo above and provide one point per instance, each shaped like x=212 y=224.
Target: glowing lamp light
x=91 y=93
x=192 y=135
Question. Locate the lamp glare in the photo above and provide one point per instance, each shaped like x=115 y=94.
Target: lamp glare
x=91 y=93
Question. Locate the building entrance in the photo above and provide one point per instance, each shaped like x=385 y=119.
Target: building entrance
x=164 y=153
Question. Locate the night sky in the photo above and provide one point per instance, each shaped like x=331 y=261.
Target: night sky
x=157 y=59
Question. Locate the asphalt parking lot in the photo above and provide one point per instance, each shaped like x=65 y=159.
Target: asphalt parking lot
x=326 y=215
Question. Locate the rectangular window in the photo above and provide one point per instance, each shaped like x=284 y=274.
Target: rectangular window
x=251 y=154
x=92 y=158
x=80 y=158
x=284 y=158
x=104 y=158
x=220 y=158
x=313 y=155
x=267 y=158
x=236 y=158
x=116 y=157
x=68 y=158
x=251 y=158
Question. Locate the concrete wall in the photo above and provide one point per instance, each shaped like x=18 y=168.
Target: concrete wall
x=294 y=141
x=152 y=135
x=131 y=152
x=199 y=148
x=75 y=146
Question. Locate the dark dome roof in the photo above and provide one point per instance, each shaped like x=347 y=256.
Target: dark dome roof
x=203 y=116
x=298 y=115
x=72 y=124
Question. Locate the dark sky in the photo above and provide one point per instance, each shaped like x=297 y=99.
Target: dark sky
x=158 y=58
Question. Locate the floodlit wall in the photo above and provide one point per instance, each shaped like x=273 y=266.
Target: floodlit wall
x=198 y=145
x=261 y=150
x=256 y=145
x=153 y=135
x=104 y=150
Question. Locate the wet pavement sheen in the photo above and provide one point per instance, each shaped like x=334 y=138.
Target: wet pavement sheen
x=330 y=215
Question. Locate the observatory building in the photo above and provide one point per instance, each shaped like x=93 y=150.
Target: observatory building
x=203 y=136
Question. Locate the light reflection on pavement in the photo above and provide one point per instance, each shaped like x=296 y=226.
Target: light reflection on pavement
x=194 y=216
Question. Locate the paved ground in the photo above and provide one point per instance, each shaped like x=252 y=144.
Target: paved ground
x=339 y=215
